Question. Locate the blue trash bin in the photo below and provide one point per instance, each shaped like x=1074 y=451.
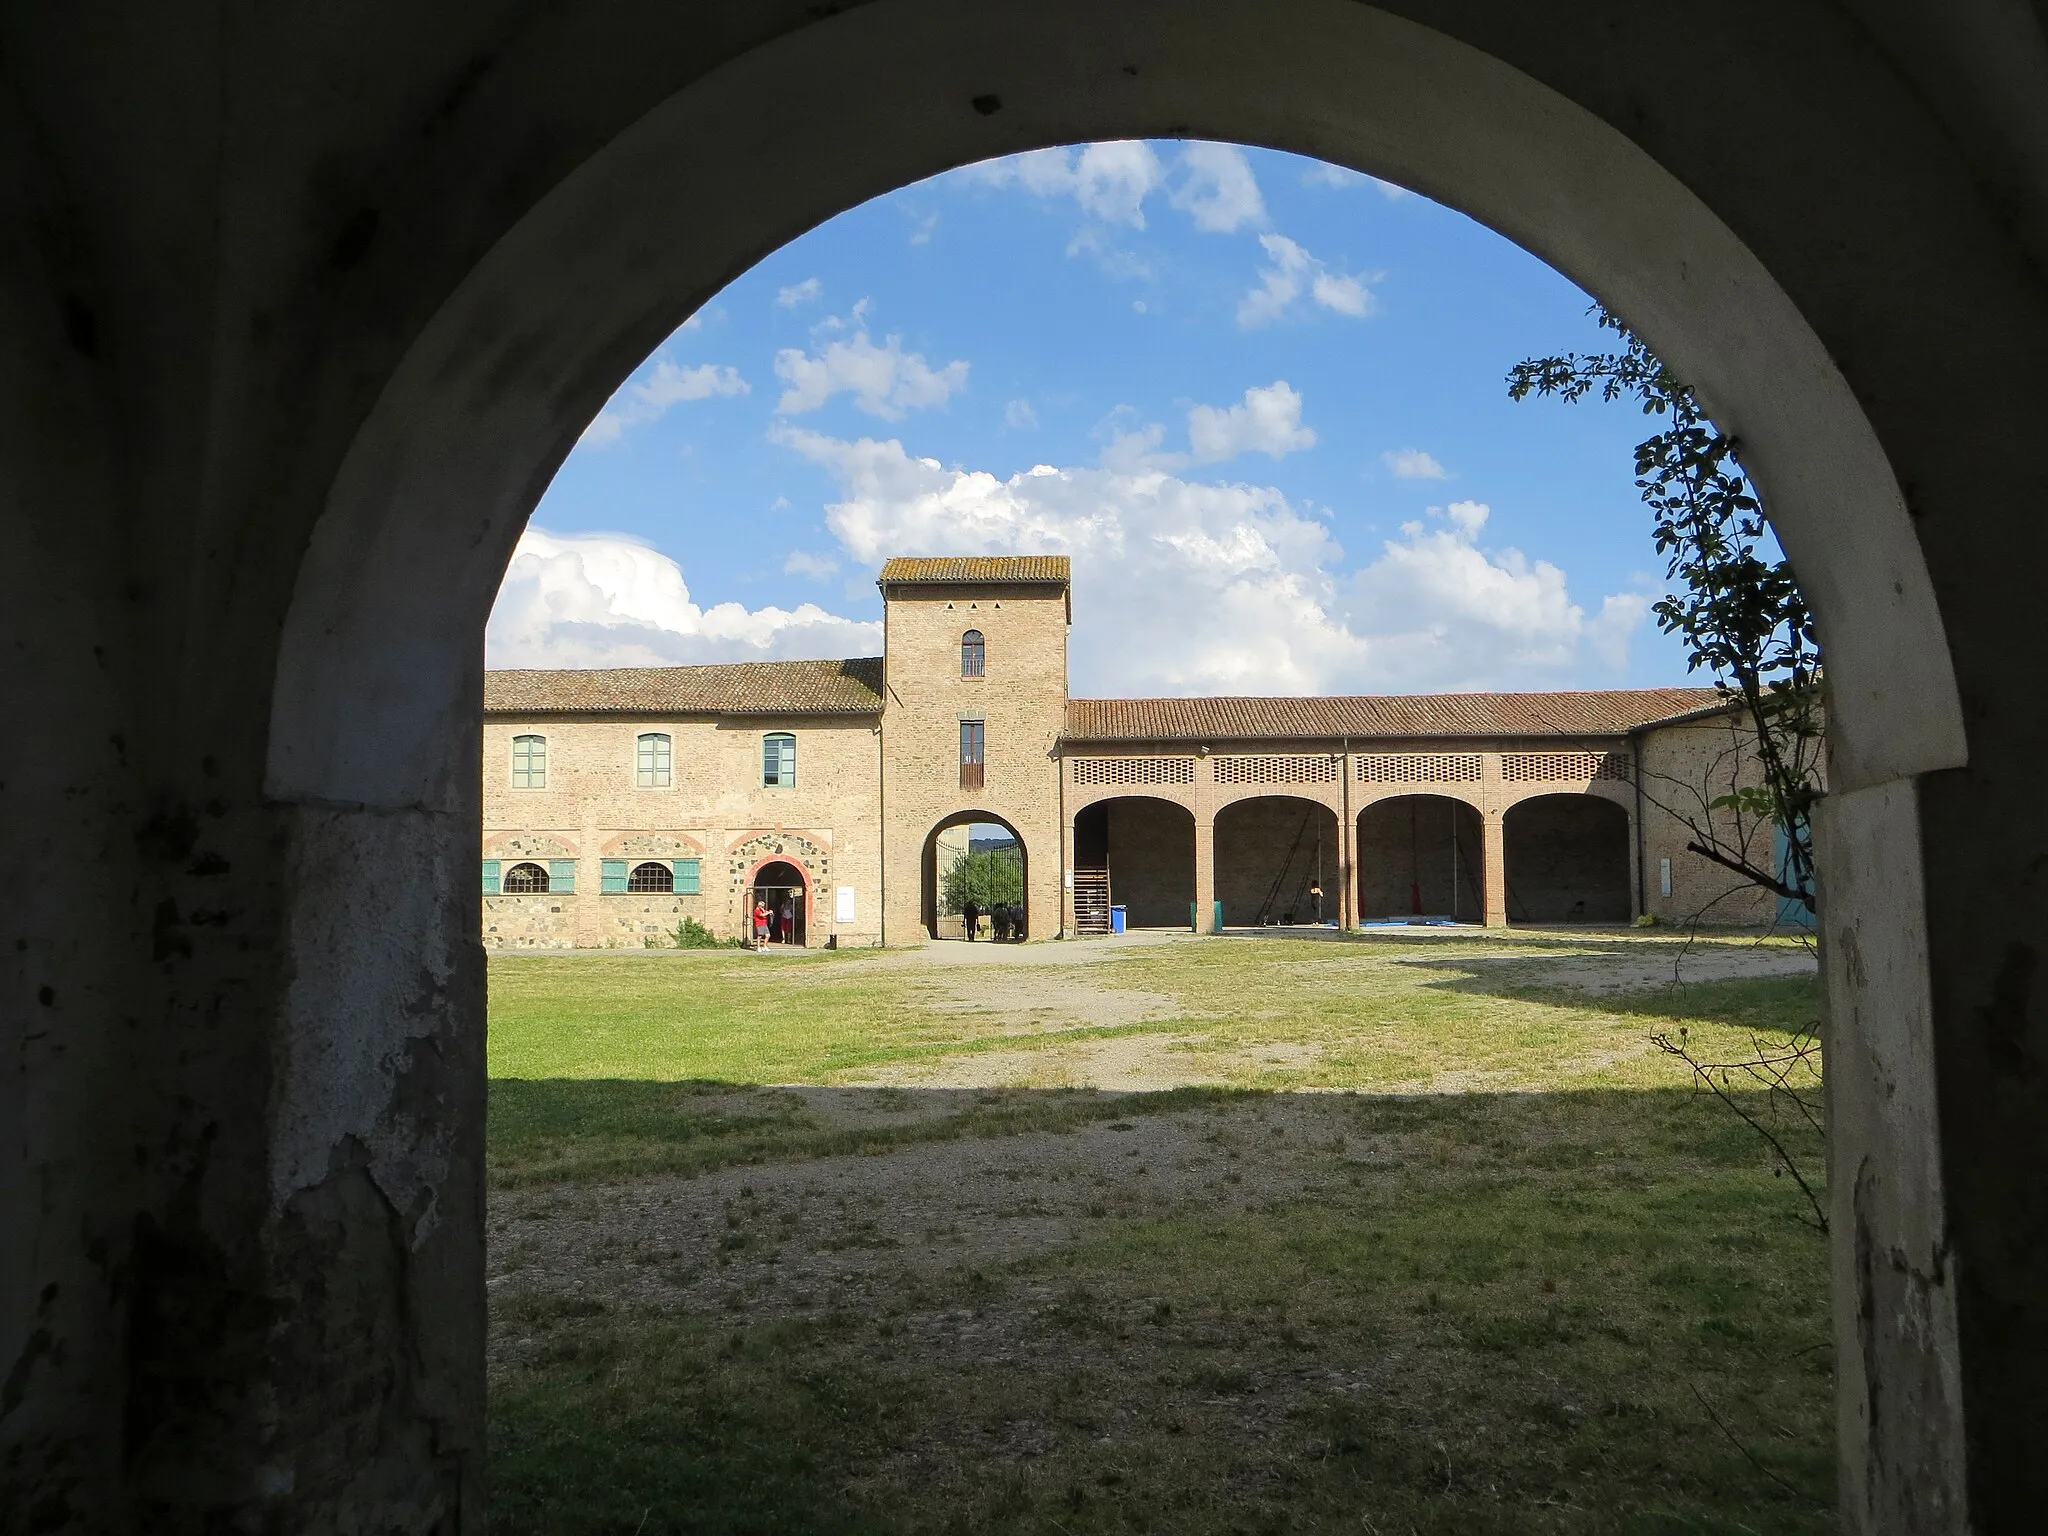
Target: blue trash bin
x=1118 y=917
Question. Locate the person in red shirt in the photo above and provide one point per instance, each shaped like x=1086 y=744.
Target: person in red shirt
x=760 y=921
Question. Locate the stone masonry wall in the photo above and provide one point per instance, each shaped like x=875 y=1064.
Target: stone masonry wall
x=714 y=810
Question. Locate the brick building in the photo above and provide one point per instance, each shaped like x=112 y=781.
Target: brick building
x=619 y=802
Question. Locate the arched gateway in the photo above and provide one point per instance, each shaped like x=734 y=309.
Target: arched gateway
x=335 y=420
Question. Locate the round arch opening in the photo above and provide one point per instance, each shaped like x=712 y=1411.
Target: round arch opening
x=998 y=884
x=779 y=904
x=1277 y=862
x=1136 y=852
x=1567 y=860
x=1421 y=856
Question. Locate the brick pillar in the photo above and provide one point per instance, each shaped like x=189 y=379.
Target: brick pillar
x=1205 y=868
x=1494 y=870
x=1067 y=923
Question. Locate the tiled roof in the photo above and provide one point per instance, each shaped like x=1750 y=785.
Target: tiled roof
x=1033 y=570
x=1428 y=714
x=851 y=687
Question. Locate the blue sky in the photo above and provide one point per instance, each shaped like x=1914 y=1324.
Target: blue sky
x=1259 y=401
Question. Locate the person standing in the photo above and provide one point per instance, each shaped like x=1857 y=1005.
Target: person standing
x=970 y=916
x=1315 y=902
x=760 y=921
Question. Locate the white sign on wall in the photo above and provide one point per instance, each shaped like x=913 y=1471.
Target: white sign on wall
x=842 y=909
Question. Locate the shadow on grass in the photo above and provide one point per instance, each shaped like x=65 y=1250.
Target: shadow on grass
x=1461 y=1314
x=546 y=1130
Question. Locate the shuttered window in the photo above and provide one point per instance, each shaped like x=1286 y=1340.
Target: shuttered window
x=529 y=762
x=611 y=877
x=652 y=877
x=562 y=876
x=971 y=747
x=526 y=880
x=686 y=877
x=654 y=761
x=490 y=877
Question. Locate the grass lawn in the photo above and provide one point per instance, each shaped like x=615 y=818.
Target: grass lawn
x=1407 y=1235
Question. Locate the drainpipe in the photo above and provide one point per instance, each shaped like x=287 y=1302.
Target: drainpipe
x=1348 y=852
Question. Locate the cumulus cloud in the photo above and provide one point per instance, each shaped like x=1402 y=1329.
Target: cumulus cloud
x=1268 y=421
x=607 y=600
x=1187 y=587
x=884 y=381
x=1294 y=273
x=1323 y=174
x=1110 y=181
x=799 y=293
x=1215 y=187
x=648 y=399
x=1414 y=464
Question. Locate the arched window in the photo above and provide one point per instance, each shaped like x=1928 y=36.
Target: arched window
x=526 y=879
x=530 y=763
x=652 y=877
x=654 y=761
x=973 y=654
x=778 y=761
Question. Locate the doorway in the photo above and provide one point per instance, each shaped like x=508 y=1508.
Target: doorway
x=781 y=888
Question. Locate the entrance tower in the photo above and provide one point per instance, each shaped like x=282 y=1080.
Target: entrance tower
x=974 y=701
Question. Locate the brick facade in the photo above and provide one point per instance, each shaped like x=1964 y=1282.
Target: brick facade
x=1464 y=804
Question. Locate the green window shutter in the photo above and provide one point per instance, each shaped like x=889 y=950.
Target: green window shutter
x=686 y=876
x=562 y=876
x=490 y=877
x=611 y=876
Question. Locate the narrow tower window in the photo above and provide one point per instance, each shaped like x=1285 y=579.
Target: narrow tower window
x=530 y=762
x=654 y=761
x=971 y=742
x=778 y=761
x=973 y=654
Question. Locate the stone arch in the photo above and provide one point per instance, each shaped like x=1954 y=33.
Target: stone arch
x=528 y=845
x=928 y=867
x=1567 y=859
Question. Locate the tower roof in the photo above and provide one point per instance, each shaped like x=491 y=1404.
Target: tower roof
x=977 y=570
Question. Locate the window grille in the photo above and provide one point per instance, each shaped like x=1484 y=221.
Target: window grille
x=1134 y=770
x=529 y=762
x=973 y=654
x=778 y=761
x=1563 y=767
x=655 y=759
x=652 y=878
x=1288 y=768
x=1419 y=768
x=971 y=754
x=526 y=880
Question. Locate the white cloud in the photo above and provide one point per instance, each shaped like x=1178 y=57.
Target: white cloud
x=1216 y=188
x=921 y=233
x=1019 y=414
x=884 y=381
x=799 y=293
x=606 y=600
x=1187 y=587
x=802 y=562
x=1323 y=174
x=1446 y=612
x=1414 y=464
x=1110 y=181
x=649 y=399
x=1294 y=272
x=1268 y=421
